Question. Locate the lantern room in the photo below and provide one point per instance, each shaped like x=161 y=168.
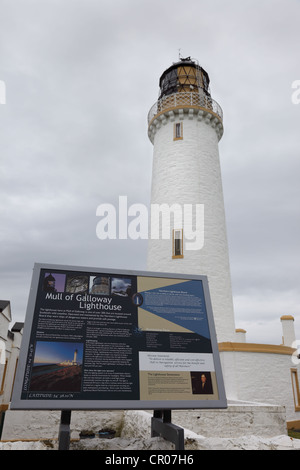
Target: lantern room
x=185 y=76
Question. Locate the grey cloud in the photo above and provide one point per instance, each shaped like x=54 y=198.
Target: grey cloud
x=81 y=77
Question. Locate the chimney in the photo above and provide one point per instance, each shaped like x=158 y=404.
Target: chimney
x=288 y=330
x=240 y=335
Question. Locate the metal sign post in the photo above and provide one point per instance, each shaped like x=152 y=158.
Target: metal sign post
x=64 y=430
x=161 y=425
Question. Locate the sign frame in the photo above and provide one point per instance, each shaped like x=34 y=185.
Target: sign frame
x=19 y=403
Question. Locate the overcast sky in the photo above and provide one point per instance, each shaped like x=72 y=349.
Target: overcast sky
x=81 y=76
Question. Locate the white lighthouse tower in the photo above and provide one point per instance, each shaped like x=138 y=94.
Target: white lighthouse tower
x=185 y=126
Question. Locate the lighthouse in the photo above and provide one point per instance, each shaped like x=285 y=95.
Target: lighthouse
x=75 y=357
x=185 y=126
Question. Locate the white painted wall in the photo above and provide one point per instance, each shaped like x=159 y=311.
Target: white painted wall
x=262 y=377
x=188 y=171
x=9 y=353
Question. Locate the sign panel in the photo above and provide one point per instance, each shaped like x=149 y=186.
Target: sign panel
x=101 y=339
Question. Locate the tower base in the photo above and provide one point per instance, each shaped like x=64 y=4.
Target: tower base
x=239 y=419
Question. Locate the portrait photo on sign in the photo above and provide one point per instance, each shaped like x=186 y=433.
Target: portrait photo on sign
x=201 y=383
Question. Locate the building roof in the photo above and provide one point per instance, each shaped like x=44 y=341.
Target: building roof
x=5 y=309
x=18 y=326
x=3 y=304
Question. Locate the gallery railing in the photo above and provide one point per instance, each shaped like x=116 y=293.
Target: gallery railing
x=176 y=100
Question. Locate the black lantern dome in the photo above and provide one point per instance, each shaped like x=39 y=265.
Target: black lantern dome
x=184 y=76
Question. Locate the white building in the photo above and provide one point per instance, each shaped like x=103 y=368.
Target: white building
x=185 y=126
x=10 y=342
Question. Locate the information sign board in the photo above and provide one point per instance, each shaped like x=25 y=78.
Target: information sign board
x=110 y=339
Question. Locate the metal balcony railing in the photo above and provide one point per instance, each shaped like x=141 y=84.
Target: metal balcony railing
x=176 y=100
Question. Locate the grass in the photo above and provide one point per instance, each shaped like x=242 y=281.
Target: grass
x=294 y=434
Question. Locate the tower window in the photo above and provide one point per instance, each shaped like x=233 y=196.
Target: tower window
x=178 y=131
x=177 y=243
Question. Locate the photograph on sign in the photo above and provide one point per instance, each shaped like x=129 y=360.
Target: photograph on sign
x=96 y=339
